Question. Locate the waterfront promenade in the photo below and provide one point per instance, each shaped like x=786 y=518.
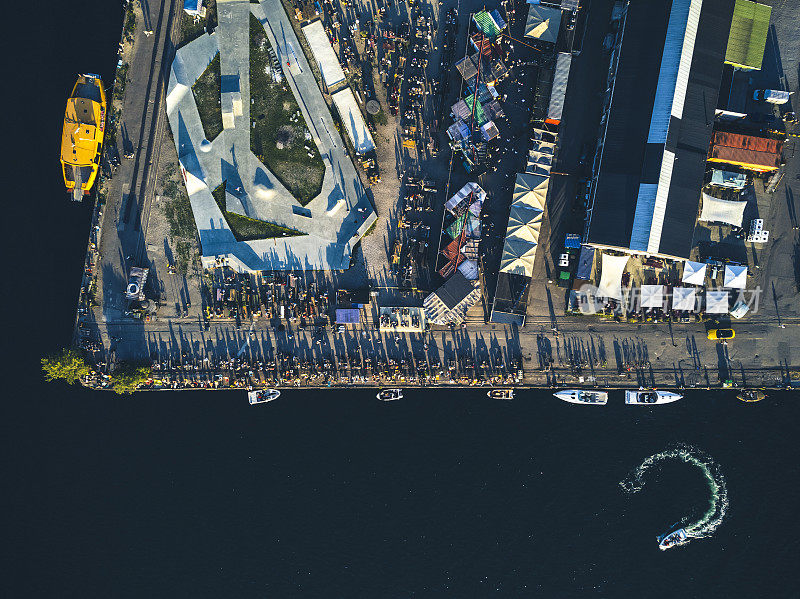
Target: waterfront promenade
x=579 y=354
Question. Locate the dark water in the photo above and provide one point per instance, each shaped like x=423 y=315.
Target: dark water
x=445 y=494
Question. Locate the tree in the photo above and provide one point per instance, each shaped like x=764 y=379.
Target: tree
x=126 y=378
x=67 y=365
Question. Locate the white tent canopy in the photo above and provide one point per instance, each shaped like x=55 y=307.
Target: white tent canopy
x=694 y=273
x=611 y=276
x=684 y=298
x=531 y=190
x=353 y=120
x=518 y=257
x=652 y=296
x=524 y=223
x=323 y=53
x=463 y=193
x=722 y=211
x=717 y=302
x=543 y=23
x=735 y=277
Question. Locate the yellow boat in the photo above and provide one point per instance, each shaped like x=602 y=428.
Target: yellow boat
x=82 y=139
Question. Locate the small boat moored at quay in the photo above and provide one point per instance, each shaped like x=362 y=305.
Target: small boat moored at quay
x=82 y=135
x=582 y=396
x=390 y=394
x=263 y=396
x=501 y=394
x=673 y=539
x=651 y=397
x=751 y=395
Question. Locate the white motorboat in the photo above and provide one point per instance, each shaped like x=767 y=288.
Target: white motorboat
x=673 y=539
x=263 y=395
x=501 y=394
x=651 y=397
x=583 y=396
x=390 y=394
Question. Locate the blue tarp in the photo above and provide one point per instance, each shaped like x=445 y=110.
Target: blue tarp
x=348 y=316
x=572 y=241
x=192 y=6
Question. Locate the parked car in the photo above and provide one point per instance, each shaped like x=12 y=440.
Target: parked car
x=721 y=334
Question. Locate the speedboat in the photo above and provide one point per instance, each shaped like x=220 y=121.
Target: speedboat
x=582 y=396
x=651 y=397
x=501 y=394
x=751 y=395
x=263 y=395
x=673 y=539
x=390 y=394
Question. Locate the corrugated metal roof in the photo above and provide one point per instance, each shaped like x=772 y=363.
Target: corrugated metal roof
x=559 y=89
x=676 y=162
x=748 y=34
x=620 y=170
x=747 y=142
x=745 y=149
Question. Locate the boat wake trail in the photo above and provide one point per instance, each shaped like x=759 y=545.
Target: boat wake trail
x=708 y=523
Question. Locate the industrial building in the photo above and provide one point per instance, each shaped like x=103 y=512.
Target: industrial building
x=666 y=70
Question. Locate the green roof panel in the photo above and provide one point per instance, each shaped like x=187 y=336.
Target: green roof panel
x=748 y=36
x=486 y=23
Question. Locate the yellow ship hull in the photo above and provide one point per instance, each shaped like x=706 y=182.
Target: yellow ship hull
x=82 y=136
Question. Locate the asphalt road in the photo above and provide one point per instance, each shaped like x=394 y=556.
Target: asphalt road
x=130 y=193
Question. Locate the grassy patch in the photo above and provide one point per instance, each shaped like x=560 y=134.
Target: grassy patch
x=178 y=210
x=248 y=229
x=207 y=90
x=130 y=22
x=371 y=229
x=380 y=118
x=182 y=249
x=279 y=135
x=121 y=80
x=191 y=29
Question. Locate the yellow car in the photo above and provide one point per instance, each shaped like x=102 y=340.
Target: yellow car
x=721 y=334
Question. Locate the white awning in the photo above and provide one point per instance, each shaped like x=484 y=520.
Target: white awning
x=722 y=211
x=684 y=298
x=611 y=276
x=739 y=309
x=694 y=273
x=469 y=268
x=652 y=296
x=717 y=302
x=323 y=53
x=735 y=277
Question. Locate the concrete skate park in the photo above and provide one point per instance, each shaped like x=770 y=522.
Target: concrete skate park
x=326 y=228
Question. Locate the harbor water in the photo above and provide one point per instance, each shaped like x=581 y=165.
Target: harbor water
x=330 y=493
